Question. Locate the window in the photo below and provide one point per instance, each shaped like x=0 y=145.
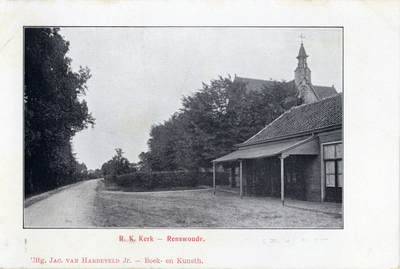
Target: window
x=333 y=151
x=291 y=177
x=333 y=155
x=330 y=173
x=333 y=171
x=340 y=173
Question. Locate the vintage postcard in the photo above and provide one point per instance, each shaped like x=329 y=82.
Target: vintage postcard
x=143 y=136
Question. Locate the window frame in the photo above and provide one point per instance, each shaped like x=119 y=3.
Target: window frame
x=323 y=166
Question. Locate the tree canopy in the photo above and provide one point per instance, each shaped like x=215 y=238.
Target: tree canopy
x=118 y=165
x=211 y=121
x=53 y=111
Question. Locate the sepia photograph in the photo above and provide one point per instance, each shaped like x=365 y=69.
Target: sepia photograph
x=183 y=127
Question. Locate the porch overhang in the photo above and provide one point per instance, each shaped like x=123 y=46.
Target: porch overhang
x=308 y=146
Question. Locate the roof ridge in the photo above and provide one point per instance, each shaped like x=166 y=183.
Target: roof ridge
x=306 y=104
x=323 y=86
x=256 y=78
x=331 y=96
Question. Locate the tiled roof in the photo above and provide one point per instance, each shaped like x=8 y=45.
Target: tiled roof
x=324 y=91
x=257 y=84
x=303 y=118
x=253 y=84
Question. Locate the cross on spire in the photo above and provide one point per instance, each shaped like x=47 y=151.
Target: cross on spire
x=301 y=36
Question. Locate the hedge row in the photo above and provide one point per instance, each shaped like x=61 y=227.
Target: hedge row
x=152 y=180
x=206 y=178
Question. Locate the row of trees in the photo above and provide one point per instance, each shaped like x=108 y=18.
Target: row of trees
x=82 y=173
x=95 y=174
x=53 y=111
x=212 y=121
x=81 y=170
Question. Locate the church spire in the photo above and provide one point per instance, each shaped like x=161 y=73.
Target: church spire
x=302 y=71
x=302 y=57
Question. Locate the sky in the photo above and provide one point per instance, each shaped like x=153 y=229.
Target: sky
x=139 y=74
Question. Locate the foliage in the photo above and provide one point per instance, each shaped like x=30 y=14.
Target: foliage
x=121 y=164
x=162 y=180
x=211 y=122
x=118 y=165
x=96 y=174
x=81 y=170
x=144 y=163
x=53 y=111
x=107 y=168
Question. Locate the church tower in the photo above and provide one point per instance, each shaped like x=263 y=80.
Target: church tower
x=302 y=77
x=306 y=91
x=302 y=70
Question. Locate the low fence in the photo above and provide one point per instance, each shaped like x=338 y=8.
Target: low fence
x=152 y=180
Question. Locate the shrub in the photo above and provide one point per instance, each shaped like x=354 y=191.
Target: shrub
x=162 y=180
x=152 y=182
x=111 y=178
x=206 y=178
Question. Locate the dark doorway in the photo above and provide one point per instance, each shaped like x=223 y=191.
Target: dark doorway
x=334 y=180
x=295 y=185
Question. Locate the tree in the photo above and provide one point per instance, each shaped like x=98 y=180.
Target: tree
x=162 y=145
x=96 y=174
x=81 y=170
x=121 y=164
x=144 y=163
x=212 y=121
x=209 y=122
x=118 y=165
x=53 y=111
x=107 y=168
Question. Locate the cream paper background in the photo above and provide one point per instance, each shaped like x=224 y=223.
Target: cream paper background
x=370 y=238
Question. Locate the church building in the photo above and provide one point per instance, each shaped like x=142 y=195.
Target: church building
x=302 y=79
x=300 y=154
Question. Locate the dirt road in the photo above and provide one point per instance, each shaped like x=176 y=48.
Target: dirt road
x=92 y=204
x=72 y=207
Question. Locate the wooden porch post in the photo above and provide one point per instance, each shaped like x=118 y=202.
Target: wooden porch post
x=241 y=178
x=233 y=175
x=282 y=180
x=214 y=177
